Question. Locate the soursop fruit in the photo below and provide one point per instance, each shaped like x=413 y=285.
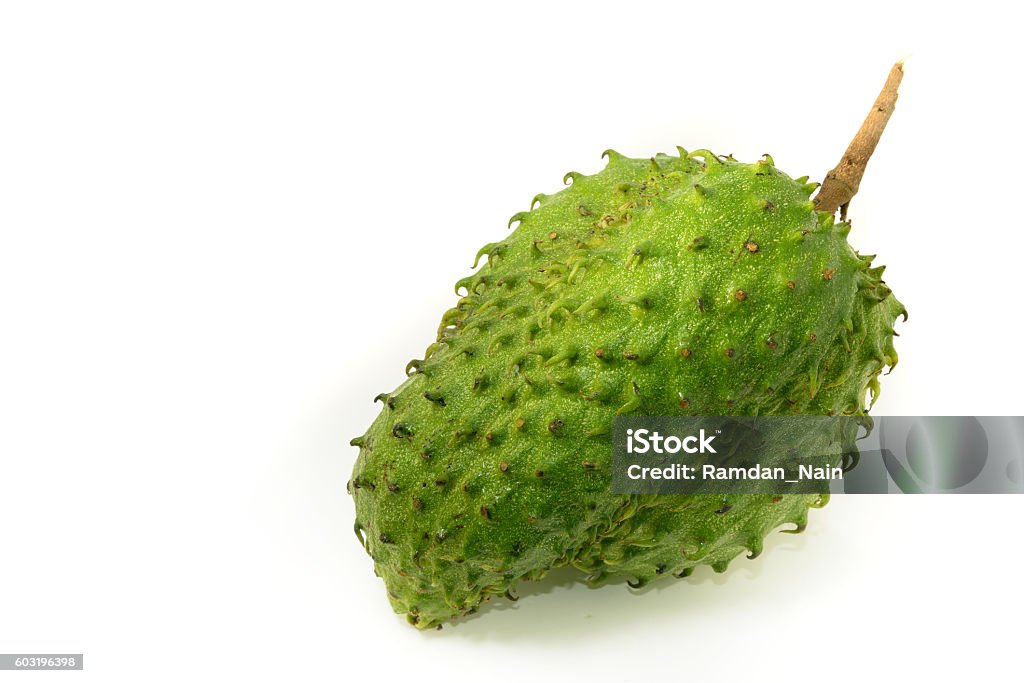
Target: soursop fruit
x=675 y=285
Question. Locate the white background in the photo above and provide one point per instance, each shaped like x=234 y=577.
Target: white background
x=227 y=226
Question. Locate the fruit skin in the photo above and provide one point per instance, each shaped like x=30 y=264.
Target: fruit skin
x=677 y=285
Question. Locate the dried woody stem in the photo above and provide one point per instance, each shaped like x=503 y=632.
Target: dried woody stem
x=843 y=181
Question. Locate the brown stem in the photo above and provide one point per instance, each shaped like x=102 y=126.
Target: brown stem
x=843 y=181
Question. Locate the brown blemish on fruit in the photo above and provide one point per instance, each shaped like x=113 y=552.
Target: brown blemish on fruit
x=685 y=353
x=740 y=295
x=827 y=273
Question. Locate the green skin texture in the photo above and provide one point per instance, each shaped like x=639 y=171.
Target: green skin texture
x=678 y=285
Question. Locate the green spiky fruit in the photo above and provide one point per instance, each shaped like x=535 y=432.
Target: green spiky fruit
x=690 y=284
